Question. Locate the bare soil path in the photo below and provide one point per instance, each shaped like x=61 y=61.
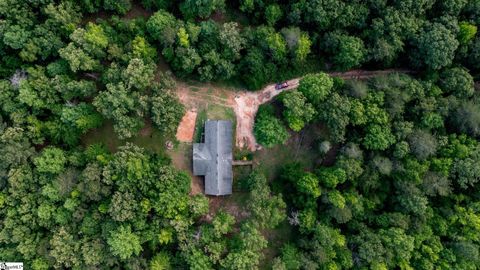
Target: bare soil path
x=245 y=103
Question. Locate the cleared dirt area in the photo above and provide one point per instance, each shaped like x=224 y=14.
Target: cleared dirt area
x=246 y=107
x=186 y=128
x=245 y=103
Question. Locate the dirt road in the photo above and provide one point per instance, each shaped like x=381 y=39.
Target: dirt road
x=245 y=103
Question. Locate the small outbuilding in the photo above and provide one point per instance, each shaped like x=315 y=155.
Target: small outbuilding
x=213 y=158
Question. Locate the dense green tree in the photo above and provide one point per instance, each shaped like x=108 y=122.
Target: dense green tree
x=257 y=69
x=143 y=50
x=37 y=92
x=186 y=60
x=436 y=184
x=87 y=46
x=346 y=51
x=298 y=111
x=78 y=59
x=162 y=27
x=330 y=242
x=122 y=206
x=277 y=46
x=138 y=75
x=316 y=87
x=309 y=184
x=298 y=43
x=82 y=116
x=273 y=13
x=121 y=7
x=414 y=7
x=15 y=149
x=335 y=113
x=250 y=6
x=451 y=7
x=16 y=37
x=331 y=177
x=267 y=210
x=434 y=47
x=161 y=261
x=290 y=257
x=422 y=144
x=65 y=15
x=245 y=253
x=471 y=11
x=93 y=252
x=303 y=48
x=466 y=118
x=333 y=14
x=125 y=107
x=166 y=110
x=378 y=137
x=269 y=130
x=458 y=82
x=124 y=243
x=232 y=40
x=52 y=160
x=65 y=249
x=192 y=9
x=467 y=33
x=389 y=34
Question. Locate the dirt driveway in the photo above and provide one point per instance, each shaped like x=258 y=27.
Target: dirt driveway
x=245 y=103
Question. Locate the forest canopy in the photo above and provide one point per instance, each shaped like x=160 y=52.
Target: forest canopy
x=394 y=176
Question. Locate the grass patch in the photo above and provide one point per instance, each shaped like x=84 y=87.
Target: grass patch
x=242 y=154
x=154 y=141
x=218 y=112
x=223 y=95
x=181 y=156
x=194 y=89
x=199 y=126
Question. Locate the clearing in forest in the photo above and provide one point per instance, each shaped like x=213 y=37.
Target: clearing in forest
x=245 y=103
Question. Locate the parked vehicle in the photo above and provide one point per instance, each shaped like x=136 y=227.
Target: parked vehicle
x=280 y=86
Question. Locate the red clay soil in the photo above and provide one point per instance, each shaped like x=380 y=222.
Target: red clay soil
x=186 y=128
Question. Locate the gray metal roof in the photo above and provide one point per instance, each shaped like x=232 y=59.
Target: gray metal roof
x=214 y=157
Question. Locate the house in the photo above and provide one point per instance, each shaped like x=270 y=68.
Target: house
x=213 y=158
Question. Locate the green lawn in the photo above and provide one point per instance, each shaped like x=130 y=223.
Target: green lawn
x=153 y=140
x=212 y=112
x=201 y=118
x=218 y=112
